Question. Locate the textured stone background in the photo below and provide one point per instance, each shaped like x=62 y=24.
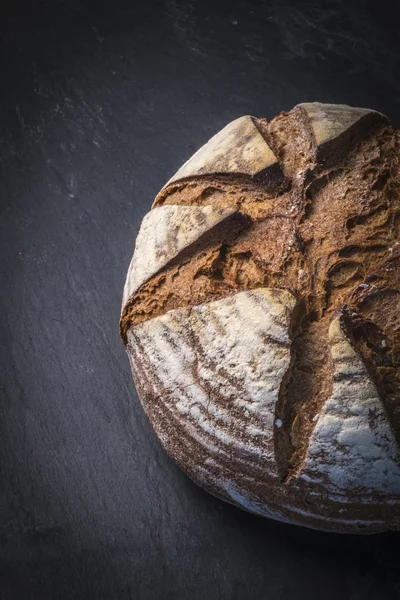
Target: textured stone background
x=100 y=102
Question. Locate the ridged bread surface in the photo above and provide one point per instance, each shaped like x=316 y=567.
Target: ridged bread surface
x=260 y=315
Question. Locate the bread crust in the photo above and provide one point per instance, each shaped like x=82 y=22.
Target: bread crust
x=260 y=315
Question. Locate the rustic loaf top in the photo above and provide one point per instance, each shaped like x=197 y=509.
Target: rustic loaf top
x=260 y=314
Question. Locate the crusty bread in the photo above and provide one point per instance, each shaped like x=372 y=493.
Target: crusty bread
x=261 y=317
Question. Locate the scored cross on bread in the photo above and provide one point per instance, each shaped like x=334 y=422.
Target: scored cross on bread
x=260 y=314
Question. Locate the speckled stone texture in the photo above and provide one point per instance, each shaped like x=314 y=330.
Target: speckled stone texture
x=100 y=103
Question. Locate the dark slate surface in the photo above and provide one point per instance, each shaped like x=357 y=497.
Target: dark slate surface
x=100 y=102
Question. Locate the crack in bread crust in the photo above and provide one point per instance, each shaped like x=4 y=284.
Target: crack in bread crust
x=326 y=228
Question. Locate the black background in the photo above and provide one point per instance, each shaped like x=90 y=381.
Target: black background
x=100 y=102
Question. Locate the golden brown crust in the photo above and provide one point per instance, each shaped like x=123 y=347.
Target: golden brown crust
x=326 y=227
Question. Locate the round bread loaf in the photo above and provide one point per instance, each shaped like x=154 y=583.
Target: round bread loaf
x=261 y=317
